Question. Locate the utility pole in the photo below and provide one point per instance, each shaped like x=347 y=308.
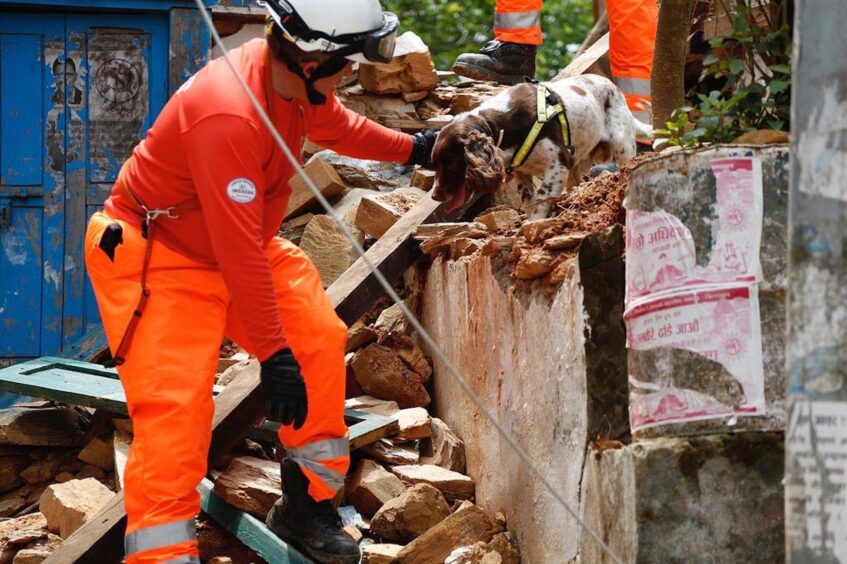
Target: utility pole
x=816 y=437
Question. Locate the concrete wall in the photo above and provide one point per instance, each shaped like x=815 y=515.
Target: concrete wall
x=524 y=353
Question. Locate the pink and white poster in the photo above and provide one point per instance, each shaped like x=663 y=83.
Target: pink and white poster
x=660 y=250
x=720 y=323
x=707 y=305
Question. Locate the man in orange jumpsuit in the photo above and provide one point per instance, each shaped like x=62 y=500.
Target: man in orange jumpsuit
x=510 y=57
x=191 y=227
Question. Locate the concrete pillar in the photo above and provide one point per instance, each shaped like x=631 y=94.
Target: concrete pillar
x=816 y=440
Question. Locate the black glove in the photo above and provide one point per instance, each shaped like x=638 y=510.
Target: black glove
x=422 y=144
x=284 y=390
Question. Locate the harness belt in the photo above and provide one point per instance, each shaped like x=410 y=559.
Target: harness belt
x=148 y=232
x=549 y=106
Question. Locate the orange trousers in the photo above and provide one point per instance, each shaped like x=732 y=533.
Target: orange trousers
x=518 y=21
x=170 y=368
x=632 y=38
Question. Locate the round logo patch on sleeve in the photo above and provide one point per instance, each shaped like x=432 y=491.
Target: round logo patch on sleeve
x=241 y=190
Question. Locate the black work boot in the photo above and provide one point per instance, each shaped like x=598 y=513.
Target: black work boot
x=313 y=527
x=506 y=63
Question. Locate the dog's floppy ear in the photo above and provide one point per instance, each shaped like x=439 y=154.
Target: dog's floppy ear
x=485 y=167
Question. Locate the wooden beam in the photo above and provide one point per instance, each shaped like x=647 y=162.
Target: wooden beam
x=357 y=289
x=583 y=62
x=239 y=407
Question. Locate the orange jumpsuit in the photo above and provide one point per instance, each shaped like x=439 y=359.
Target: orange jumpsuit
x=216 y=271
x=632 y=36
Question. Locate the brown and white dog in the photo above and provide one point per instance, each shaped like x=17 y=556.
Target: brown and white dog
x=473 y=152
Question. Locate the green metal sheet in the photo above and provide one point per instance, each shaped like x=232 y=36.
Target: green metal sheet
x=67 y=381
x=247 y=528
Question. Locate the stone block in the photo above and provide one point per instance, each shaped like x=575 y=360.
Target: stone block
x=409 y=515
x=99 y=452
x=382 y=374
x=10 y=471
x=452 y=484
x=466 y=526
x=47 y=468
x=250 y=484
x=378 y=212
x=444 y=448
x=326 y=179
x=358 y=337
x=371 y=486
x=31 y=556
x=409 y=352
x=423 y=178
x=54 y=426
x=410 y=70
x=380 y=553
x=69 y=505
x=414 y=424
x=390 y=452
x=499 y=219
x=372 y=405
x=325 y=244
x=716 y=498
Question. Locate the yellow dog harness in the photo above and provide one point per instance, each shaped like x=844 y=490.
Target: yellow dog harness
x=549 y=106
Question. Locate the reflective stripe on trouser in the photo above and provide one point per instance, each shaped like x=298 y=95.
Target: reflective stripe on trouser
x=321 y=459
x=632 y=38
x=637 y=94
x=169 y=371
x=518 y=21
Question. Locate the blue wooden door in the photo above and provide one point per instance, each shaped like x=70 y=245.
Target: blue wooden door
x=32 y=182
x=77 y=92
x=123 y=73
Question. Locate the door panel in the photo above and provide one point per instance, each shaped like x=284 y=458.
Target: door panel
x=31 y=184
x=77 y=92
x=123 y=83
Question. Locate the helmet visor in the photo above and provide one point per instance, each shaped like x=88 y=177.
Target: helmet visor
x=378 y=45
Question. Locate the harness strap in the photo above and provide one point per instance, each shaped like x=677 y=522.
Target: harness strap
x=549 y=105
x=148 y=232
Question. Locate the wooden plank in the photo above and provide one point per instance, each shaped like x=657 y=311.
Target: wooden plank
x=239 y=407
x=583 y=62
x=247 y=528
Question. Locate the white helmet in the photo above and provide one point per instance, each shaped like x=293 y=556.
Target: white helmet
x=356 y=29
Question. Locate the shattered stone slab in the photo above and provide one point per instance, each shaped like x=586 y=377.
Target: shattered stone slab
x=69 y=506
x=250 y=484
x=452 y=484
x=371 y=486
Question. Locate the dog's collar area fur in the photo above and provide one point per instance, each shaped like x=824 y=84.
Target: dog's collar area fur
x=549 y=105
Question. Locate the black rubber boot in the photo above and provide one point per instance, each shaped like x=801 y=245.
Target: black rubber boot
x=506 y=63
x=313 y=527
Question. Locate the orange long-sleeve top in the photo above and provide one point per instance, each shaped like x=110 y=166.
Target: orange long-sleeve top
x=209 y=143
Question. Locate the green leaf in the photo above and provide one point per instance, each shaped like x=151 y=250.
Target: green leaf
x=777 y=86
x=736 y=66
x=710 y=59
x=782 y=69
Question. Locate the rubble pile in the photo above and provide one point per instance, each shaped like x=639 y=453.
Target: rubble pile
x=407 y=498
x=56 y=471
x=540 y=250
